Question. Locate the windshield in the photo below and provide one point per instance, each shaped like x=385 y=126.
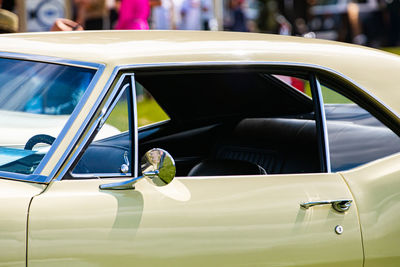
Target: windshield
x=36 y=100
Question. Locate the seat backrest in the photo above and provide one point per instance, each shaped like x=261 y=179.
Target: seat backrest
x=277 y=145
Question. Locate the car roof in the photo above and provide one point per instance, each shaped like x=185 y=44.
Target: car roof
x=373 y=70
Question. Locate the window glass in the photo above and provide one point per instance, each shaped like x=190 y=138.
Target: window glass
x=119 y=117
x=36 y=100
x=148 y=110
x=298 y=83
x=234 y=123
x=355 y=136
x=110 y=152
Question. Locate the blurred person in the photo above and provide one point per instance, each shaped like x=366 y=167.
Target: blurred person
x=353 y=13
x=91 y=14
x=393 y=21
x=191 y=15
x=301 y=27
x=112 y=7
x=163 y=15
x=271 y=20
x=373 y=25
x=133 y=15
x=63 y=24
x=207 y=14
x=237 y=18
x=8 y=21
x=285 y=28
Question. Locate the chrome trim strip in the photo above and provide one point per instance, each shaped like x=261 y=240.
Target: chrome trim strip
x=106 y=110
x=102 y=175
x=47 y=59
x=324 y=125
x=105 y=113
x=135 y=125
x=36 y=177
x=83 y=127
x=117 y=69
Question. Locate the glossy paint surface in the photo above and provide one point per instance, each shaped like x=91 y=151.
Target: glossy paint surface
x=15 y=197
x=376 y=188
x=230 y=221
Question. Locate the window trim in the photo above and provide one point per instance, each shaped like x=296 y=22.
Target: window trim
x=125 y=82
x=320 y=121
x=36 y=176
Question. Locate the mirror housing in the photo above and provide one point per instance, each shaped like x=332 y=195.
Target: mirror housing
x=158 y=167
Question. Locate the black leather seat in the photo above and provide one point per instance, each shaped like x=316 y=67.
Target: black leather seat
x=260 y=146
x=226 y=167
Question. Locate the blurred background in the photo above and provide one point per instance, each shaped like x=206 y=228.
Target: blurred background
x=374 y=23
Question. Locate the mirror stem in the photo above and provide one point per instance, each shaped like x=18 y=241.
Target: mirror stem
x=130 y=184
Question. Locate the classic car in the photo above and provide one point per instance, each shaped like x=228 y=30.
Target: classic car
x=256 y=150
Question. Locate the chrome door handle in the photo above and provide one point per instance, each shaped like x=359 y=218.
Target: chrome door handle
x=340 y=205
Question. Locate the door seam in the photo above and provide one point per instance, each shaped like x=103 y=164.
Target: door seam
x=27 y=223
x=358 y=216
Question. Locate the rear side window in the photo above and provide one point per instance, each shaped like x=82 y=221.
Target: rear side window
x=355 y=136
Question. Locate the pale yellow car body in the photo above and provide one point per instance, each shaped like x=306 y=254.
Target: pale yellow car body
x=213 y=221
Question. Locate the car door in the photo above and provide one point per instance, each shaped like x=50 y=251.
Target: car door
x=15 y=197
x=362 y=139
x=270 y=220
x=212 y=221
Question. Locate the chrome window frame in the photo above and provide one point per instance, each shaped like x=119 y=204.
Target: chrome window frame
x=36 y=176
x=64 y=166
x=111 y=102
x=320 y=120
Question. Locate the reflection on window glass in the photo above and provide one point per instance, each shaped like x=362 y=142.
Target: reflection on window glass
x=110 y=152
x=36 y=100
x=148 y=110
x=41 y=88
x=119 y=117
x=355 y=136
x=331 y=97
x=300 y=84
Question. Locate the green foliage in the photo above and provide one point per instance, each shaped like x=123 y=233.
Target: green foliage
x=394 y=50
x=119 y=116
x=331 y=97
x=148 y=112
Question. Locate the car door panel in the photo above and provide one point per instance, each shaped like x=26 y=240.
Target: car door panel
x=376 y=188
x=224 y=221
x=15 y=197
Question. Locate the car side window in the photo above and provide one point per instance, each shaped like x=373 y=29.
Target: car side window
x=355 y=136
x=234 y=122
x=109 y=154
x=148 y=110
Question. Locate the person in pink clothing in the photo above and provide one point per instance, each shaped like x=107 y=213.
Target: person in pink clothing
x=133 y=15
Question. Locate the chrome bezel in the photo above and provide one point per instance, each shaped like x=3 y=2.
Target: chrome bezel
x=36 y=176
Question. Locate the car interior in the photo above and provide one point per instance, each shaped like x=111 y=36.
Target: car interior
x=242 y=123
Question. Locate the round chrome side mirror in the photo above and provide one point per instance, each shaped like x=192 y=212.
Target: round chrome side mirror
x=158 y=167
